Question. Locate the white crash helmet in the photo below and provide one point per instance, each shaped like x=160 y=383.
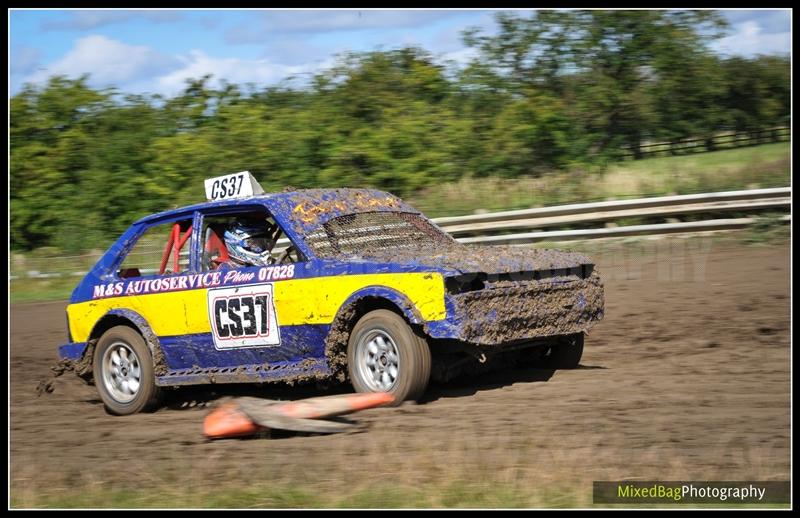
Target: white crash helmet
x=249 y=244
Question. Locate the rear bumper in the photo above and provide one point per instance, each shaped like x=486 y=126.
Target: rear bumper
x=522 y=312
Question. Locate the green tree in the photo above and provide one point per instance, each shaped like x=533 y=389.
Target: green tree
x=757 y=92
x=51 y=137
x=603 y=58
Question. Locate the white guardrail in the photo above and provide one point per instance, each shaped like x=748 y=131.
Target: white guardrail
x=494 y=227
x=522 y=226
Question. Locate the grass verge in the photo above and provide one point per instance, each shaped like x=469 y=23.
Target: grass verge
x=743 y=168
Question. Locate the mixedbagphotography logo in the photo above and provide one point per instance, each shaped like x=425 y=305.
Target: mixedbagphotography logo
x=691 y=492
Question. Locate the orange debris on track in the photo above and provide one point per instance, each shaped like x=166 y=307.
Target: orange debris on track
x=246 y=416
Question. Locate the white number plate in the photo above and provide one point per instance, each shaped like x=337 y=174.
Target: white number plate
x=236 y=185
x=243 y=317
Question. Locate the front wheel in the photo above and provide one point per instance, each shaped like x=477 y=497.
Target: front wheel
x=385 y=355
x=123 y=372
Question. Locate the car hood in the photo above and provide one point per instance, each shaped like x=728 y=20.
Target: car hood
x=475 y=258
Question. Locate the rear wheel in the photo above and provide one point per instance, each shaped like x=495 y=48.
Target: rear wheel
x=385 y=355
x=565 y=353
x=123 y=372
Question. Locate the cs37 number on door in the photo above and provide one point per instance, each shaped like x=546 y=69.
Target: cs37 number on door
x=243 y=317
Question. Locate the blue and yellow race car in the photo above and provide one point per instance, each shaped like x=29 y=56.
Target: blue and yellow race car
x=309 y=284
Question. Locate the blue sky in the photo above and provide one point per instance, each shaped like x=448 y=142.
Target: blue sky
x=155 y=51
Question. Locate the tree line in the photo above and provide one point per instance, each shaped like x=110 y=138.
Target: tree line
x=553 y=90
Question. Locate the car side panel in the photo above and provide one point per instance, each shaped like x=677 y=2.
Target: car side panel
x=305 y=308
x=191 y=351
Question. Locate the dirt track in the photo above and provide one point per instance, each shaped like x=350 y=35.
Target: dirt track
x=687 y=378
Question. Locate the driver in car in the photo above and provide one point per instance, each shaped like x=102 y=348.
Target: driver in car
x=249 y=243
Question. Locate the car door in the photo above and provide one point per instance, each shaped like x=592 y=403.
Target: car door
x=246 y=304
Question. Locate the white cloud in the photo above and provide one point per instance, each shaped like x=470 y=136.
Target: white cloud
x=141 y=69
x=84 y=20
x=770 y=20
x=460 y=57
x=748 y=39
x=269 y=23
x=107 y=61
x=293 y=51
x=233 y=70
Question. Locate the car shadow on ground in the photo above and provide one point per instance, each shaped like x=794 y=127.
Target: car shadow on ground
x=466 y=385
x=184 y=398
x=469 y=385
x=199 y=396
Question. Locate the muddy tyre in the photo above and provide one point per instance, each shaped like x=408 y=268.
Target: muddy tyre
x=385 y=355
x=565 y=354
x=123 y=372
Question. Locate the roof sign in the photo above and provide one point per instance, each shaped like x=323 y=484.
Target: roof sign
x=236 y=185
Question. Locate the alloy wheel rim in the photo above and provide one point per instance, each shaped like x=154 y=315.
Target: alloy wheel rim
x=378 y=360
x=122 y=372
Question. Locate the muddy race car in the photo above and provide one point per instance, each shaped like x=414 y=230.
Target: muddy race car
x=355 y=284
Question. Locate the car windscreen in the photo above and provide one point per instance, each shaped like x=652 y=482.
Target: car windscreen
x=365 y=232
